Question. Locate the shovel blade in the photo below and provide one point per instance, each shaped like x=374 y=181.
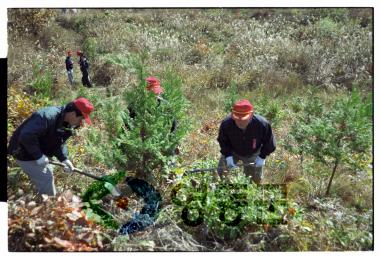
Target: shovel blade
x=114 y=190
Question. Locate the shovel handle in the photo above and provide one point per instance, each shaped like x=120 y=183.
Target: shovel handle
x=78 y=171
x=114 y=190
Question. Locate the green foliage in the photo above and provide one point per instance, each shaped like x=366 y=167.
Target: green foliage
x=134 y=63
x=270 y=108
x=80 y=24
x=327 y=27
x=90 y=47
x=96 y=191
x=120 y=60
x=146 y=140
x=100 y=148
x=345 y=233
x=42 y=82
x=333 y=136
x=227 y=206
x=334 y=14
x=297 y=104
x=148 y=143
x=231 y=97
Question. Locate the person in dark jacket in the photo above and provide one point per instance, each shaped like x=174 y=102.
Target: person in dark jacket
x=84 y=66
x=42 y=136
x=245 y=136
x=69 y=67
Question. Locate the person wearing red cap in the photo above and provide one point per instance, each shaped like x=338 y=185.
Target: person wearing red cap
x=154 y=86
x=42 y=136
x=84 y=66
x=69 y=67
x=245 y=136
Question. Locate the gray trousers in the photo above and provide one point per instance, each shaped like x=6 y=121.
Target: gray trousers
x=41 y=177
x=70 y=76
x=256 y=173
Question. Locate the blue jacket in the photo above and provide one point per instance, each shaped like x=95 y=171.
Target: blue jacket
x=44 y=132
x=258 y=136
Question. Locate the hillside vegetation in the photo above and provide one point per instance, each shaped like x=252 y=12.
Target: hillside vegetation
x=308 y=71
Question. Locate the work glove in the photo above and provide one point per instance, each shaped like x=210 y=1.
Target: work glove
x=259 y=162
x=230 y=162
x=69 y=167
x=43 y=161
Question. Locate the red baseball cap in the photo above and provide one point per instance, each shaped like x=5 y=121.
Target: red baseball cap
x=85 y=106
x=242 y=110
x=154 y=85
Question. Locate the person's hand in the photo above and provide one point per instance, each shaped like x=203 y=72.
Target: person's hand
x=259 y=162
x=43 y=161
x=69 y=167
x=230 y=162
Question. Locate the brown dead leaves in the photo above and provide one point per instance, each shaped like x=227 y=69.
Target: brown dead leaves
x=52 y=224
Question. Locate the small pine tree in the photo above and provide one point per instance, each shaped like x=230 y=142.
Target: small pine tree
x=147 y=140
x=231 y=97
x=333 y=136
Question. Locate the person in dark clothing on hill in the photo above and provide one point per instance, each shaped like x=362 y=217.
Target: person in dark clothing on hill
x=42 y=136
x=84 y=66
x=245 y=136
x=69 y=67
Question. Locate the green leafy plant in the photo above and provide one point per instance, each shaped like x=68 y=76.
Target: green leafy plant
x=42 y=82
x=269 y=108
x=95 y=192
x=90 y=47
x=231 y=97
x=80 y=24
x=327 y=27
x=227 y=206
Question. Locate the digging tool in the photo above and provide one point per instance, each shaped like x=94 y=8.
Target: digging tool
x=113 y=190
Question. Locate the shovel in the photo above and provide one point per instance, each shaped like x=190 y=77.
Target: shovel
x=113 y=190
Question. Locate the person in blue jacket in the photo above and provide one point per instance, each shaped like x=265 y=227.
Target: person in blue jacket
x=245 y=136
x=42 y=136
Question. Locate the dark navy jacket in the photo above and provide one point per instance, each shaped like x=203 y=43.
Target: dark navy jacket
x=42 y=133
x=258 y=136
x=84 y=65
x=69 y=63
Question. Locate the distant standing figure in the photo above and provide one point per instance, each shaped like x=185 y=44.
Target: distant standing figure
x=69 y=67
x=84 y=66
